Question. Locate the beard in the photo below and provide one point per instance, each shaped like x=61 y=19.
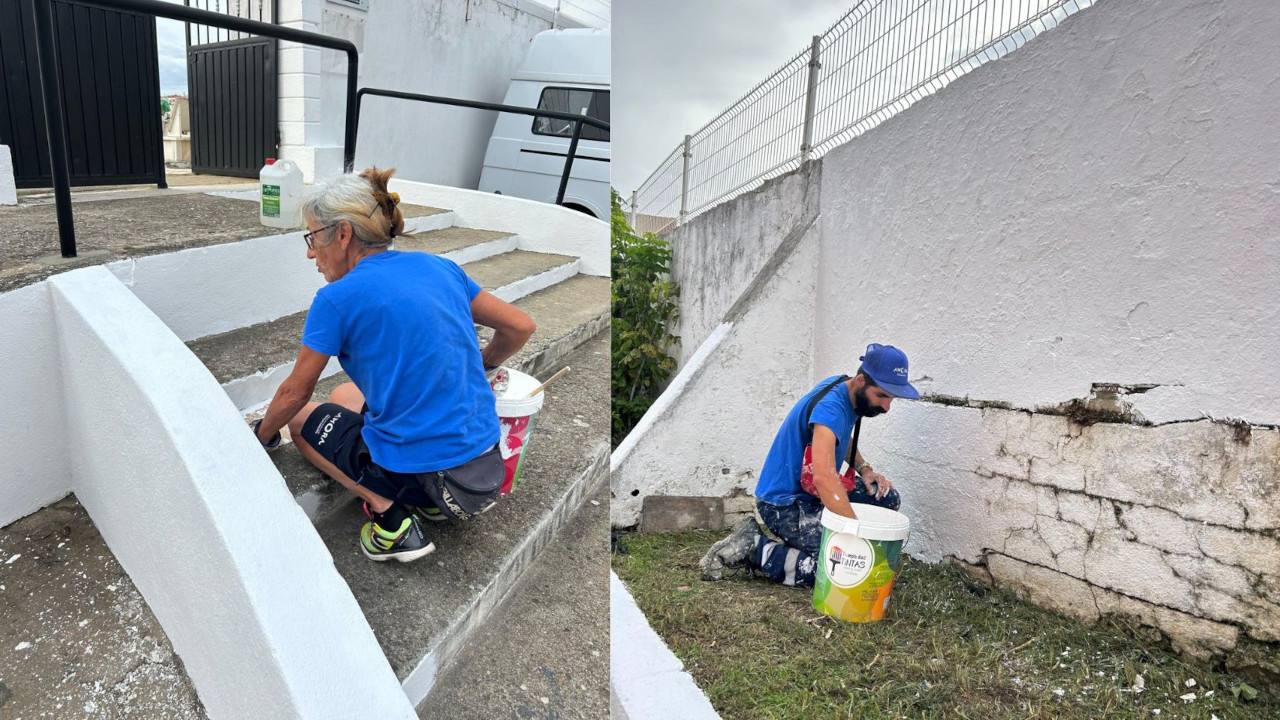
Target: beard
x=863 y=405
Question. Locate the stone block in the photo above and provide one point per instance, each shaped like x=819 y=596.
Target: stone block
x=673 y=513
x=1204 y=572
x=1259 y=617
x=1085 y=511
x=1161 y=528
x=1117 y=563
x=1016 y=506
x=1064 y=475
x=1027 y=545
x=1193 y=636
x=1258 y=553
x=1044 y=586
x=1005 y=465
x=1187 y=468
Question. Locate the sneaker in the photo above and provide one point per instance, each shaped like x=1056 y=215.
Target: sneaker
x=405 y=544
x=434 y=514
x=731 y=552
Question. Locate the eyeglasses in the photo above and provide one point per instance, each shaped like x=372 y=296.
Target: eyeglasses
x=310 y=237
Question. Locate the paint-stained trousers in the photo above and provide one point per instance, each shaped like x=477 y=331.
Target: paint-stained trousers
x=800 y=525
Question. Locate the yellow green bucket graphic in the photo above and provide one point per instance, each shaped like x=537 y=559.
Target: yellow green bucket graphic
x=858 y=562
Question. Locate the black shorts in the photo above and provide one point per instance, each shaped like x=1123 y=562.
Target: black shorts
x=335 y=432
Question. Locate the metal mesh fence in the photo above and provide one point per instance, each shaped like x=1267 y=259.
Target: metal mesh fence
x=878 y=59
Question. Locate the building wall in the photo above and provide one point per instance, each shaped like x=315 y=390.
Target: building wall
x=1078 y=246
x=456 y=48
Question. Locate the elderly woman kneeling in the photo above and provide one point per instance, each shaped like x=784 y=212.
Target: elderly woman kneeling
x=415 y=433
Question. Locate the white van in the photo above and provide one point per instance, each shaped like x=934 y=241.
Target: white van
x=566 y=71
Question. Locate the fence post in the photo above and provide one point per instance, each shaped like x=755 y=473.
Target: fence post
x=684 y=180
x=811 y=98
x=633 y=208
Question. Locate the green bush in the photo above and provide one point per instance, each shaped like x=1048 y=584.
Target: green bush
x=644 y=303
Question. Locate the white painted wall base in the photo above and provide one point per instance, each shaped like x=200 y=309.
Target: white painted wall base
x=8 y=187
x=152 y=430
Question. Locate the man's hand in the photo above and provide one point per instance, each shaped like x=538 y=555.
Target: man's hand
x=871 y=477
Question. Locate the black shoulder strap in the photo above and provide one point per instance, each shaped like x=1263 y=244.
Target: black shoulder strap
x=813 y=402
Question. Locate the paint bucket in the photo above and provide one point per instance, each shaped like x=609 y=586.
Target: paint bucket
x=858 y=562
x=516 y=413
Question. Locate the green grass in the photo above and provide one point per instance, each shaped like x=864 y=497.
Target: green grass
x=950 y=647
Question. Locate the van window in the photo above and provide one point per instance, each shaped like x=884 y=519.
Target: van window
x=572 y=100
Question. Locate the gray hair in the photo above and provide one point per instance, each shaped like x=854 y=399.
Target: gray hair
x=358 y=200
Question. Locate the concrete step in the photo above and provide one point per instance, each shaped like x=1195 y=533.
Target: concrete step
x=459 y=244
x=545 y=651
x=424 y=612
x=513 y=275
x=568 y=314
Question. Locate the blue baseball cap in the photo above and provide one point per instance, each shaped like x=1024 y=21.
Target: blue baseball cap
x=887 y=365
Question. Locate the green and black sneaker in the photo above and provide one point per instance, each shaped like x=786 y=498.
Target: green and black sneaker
x=405 y=544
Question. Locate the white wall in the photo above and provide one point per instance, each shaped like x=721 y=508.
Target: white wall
x=153 y=436
x=34 y=467
x=455 y=48
x=1096 y=207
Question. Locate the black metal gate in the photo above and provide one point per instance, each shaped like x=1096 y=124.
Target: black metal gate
x=232 y=83
x=110 y=83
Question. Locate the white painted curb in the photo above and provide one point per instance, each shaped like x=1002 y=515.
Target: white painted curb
x=645 y=678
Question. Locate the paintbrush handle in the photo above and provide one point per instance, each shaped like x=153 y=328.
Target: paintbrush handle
x=563 y=371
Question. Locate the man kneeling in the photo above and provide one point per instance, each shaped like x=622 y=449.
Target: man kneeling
x=801 y=474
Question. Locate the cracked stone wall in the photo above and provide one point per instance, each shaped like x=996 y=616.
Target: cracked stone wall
x=1175 y=524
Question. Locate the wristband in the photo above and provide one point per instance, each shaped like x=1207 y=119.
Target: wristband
x=859 y=468
x=275 y=439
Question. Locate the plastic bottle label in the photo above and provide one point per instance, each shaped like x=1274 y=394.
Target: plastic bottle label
x=271 y=200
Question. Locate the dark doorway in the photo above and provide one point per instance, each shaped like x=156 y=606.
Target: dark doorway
x=110 y=88
x=232 y=85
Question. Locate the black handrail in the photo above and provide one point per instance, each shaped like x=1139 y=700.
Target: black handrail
x=50 y=71
x=577 y=120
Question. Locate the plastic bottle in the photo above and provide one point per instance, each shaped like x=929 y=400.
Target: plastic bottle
x=280 y=183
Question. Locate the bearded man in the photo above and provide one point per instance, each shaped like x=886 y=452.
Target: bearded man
x=802 y=473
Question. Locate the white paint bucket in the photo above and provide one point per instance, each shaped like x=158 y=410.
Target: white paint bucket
x=858 y=562
x=516 y=413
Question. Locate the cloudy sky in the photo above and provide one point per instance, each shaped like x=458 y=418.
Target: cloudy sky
x=678 y=63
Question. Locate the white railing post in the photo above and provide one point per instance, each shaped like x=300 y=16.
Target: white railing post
x=634 y=193
x=684 y=180
x=811 y=98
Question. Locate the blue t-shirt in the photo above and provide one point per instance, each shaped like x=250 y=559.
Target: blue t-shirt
x=779 y=482
x=400 y=324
